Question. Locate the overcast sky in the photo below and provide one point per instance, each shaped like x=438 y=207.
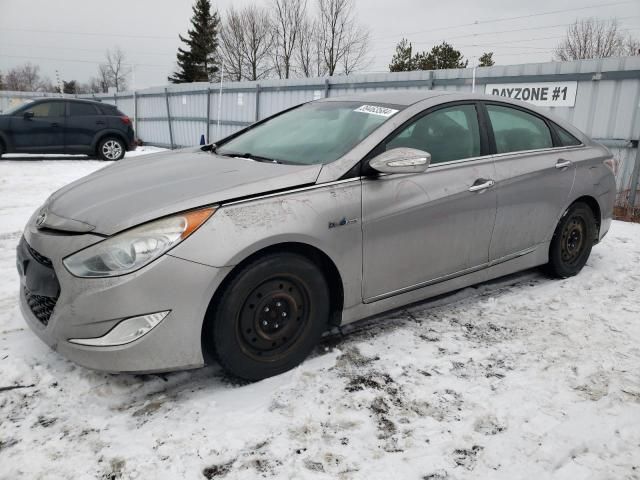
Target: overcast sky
x=70 y=36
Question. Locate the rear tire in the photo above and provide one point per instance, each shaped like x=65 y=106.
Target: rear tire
x=2 y=149
x=572 y=241
x=270 y=316
x=111 y=149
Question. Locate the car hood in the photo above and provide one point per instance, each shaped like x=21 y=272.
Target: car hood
x=140 y=189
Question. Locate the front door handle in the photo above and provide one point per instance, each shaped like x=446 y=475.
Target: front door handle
x=562 y=163
x=99 y=122
x=55 y=124
x=481 y=184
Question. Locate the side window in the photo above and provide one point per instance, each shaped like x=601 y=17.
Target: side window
x=47 y=109
x=447 y=134
x=515 y=130
x=566 y=139
x=77 y=109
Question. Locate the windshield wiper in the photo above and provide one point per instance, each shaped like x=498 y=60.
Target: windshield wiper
x=250 y=156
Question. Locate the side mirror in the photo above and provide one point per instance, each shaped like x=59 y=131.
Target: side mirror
x=28 y=115
x=401 y=160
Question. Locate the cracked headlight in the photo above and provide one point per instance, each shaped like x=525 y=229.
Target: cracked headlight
x=132 y=249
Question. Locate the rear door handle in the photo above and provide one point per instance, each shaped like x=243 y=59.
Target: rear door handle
x=55 y=124
x=99 y=122
x=481 y=184
x=562 y=163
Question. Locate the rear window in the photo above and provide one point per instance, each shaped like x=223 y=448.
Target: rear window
x=77 y=109
x=110 y=110
x=515 y=130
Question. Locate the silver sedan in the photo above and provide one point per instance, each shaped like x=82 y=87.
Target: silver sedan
x=248 y=250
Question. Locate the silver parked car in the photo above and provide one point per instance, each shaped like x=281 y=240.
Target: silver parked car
x=329 y=212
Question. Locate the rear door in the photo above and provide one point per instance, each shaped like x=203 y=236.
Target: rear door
x=84 y=120
x=420 y=229
x=534 y=179
x=41 y=133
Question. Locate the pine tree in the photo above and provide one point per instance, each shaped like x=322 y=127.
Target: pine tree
x=486 y=60
x=402 y=61
x=199 y=61
x=445 y=56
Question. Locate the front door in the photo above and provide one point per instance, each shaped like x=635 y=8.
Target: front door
x=420 y=229
x=533 y=181
x=43 y=132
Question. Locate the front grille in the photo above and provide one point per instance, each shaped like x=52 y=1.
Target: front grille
x=41 y=306
x=38 y=257
x=38 y=270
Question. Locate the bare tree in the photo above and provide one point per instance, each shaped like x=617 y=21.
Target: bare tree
x=232 y=45
x=304 y=55
x=26 y=78
x=631 y=46
x=103 y=79
x=116 y=69
x=308 y=58
x=355 y=51
x=593 y=38
x=288 y=18
x=343 y=41
x=257 y=42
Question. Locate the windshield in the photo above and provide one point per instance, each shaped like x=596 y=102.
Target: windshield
x=15 y=108
x=314 y=133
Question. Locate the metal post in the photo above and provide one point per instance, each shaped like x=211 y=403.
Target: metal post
x=166 y=98
x=220 y=101
x=135 y=111
x=635 y=177
x=326 y=87
x=115 y=98
x=473 y=80
x=208 y=113
x=257 y=117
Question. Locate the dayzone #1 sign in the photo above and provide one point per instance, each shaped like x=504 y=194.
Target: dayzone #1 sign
x=543 y=94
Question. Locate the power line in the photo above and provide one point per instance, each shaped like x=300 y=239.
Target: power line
x=478 y=34
x=80 y=61
x=103 y=50
x=93 y=34
x=518 y=17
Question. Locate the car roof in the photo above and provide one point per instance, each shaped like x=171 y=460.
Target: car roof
x=394 y=97
x=64 y=99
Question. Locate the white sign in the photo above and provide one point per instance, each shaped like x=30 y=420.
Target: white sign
x=543 y=94
x=376 y=110
x=240 y=99
x=317 y=94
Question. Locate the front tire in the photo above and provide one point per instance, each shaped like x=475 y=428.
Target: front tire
x=270 y=316
x=111 y=149
x=572 y=241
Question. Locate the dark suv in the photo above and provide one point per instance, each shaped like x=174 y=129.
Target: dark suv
x=61 y=125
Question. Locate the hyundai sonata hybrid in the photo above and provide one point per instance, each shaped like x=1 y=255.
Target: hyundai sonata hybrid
x=246 y=251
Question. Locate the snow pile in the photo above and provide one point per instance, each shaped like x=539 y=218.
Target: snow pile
x=521 y=378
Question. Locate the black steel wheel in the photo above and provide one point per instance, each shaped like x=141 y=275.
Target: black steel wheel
x=270 y=316
x=572 y=241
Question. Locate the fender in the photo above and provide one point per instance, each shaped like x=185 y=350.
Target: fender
x=108 y=132
x=312 y=217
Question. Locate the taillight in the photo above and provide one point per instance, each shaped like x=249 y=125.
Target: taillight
x=126 y=120
x=611 y=164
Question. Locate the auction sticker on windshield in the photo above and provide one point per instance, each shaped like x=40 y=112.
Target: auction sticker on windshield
x=376 y=110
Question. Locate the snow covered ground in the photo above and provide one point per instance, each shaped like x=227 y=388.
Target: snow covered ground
x=522 y=378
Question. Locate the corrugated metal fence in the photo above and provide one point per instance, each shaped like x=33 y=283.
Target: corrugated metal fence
x=607 y=103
